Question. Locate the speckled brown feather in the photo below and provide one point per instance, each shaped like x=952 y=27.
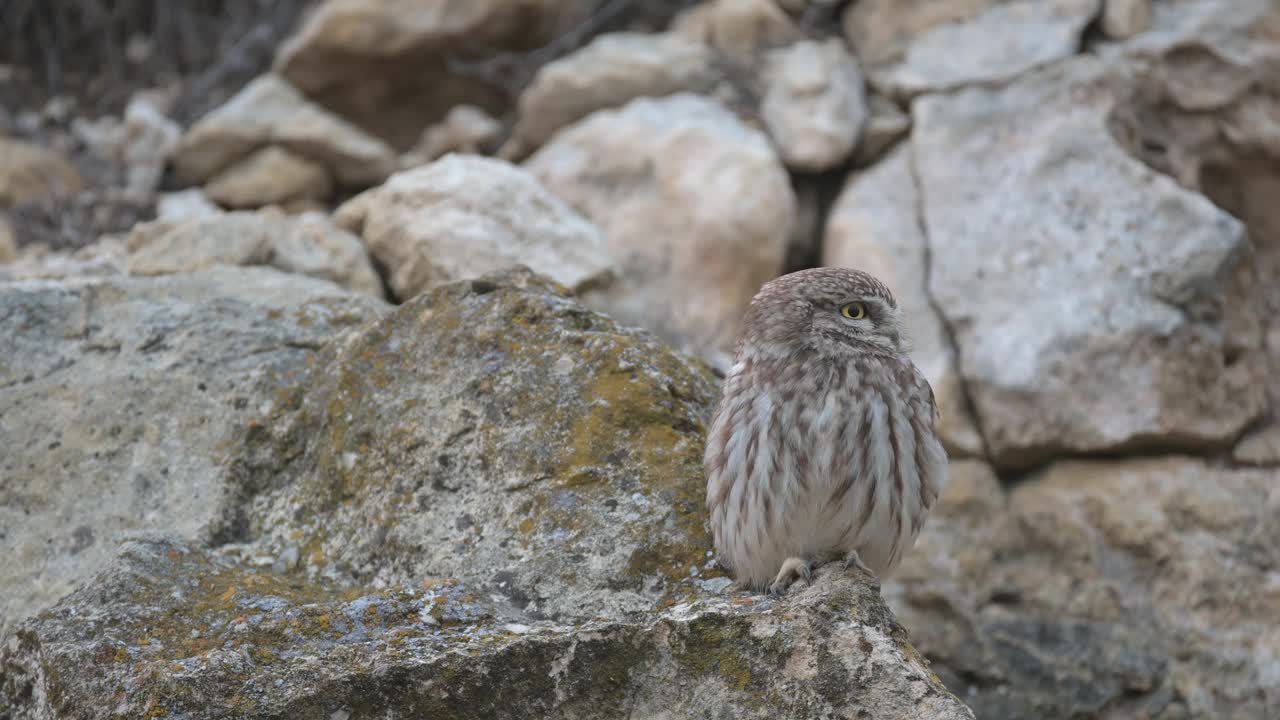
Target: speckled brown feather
x=824 y=441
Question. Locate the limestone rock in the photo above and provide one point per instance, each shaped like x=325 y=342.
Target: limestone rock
x=185 y=205
x=1260 y=447
x=466 y=129
x=1142 y=588
x=881 y=31
x=495 y=431
x=33 y=174
x=886 y=125
x=874 y=226
x=1208 y=59
x=465 y=216
x=270 y=176
x=308 y=244
x=1123 y=19
x=696 y=206
x=117 y=395
x=740 y=30
x=37 y=262
x=270 y=111
x=488 y=502
x=815 y=104
x=171 y=630
x=394 y=68
x=968 y=42
x=608 y=72
x=1074 y=335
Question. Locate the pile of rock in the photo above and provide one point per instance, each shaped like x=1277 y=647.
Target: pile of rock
x=398 y=406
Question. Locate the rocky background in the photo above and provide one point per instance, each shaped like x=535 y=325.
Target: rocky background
x=359 y=353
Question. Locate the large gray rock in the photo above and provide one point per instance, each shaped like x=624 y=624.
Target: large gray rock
x=465 y=216
x=170 y=631
x=487 y=503
x=612 y=70
x=923 y=46
x=1209 y=116
x=696 y=206
x=307 y=244
x=874 y=226
x=498 y=432
x=1120 y=588
x=1092 y=298
x=815 y=103
x=117 y=397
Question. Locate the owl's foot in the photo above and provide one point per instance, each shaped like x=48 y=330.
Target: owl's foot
x=852 y=560
x=793 y=569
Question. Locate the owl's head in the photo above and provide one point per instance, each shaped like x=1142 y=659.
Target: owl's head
x=829 y=311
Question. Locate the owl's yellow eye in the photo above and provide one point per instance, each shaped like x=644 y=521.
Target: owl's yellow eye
x=854 y=311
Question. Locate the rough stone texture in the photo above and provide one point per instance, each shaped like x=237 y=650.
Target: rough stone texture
x=33 y=174
x=1138 y=588
x=465 y=216
x=498 y=432
x=1261 y=447
x=1208 y=115
x=740 y=30
x=270 y=111
x=395 y=68
x=815 y=104
x=696 y=207
x=185 y=205
x=1110 y=346
x=874 y=226
x=610 y=71
x=169 y=631
x=117 y=396
x=307 y=244
x=970 y=42
x=466 y=129
x=269 y=176
x=1123 y=19
x=886 y=125
x=36 y=262
x=881 y=31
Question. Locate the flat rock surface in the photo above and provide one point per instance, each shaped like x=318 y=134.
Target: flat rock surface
x=117 y=396
x=465 y=216
x=1111 y=345
x=169 y=631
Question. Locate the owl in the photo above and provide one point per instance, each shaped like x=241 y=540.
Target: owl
x=824 y=443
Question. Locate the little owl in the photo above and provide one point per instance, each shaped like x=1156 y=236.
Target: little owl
x=823 y=444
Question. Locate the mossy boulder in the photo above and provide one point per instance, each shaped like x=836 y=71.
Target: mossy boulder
x=173 y=631
x=487 y=502
x=499 y=432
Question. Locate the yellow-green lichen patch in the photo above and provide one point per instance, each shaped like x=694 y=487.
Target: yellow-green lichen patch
x=498 y=429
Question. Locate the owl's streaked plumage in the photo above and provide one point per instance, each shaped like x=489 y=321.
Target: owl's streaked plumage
x=824 y=443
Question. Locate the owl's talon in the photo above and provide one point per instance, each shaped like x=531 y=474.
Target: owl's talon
x=852 y=560
x=793 y=569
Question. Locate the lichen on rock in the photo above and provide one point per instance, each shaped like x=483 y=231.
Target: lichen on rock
x=496 y=431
